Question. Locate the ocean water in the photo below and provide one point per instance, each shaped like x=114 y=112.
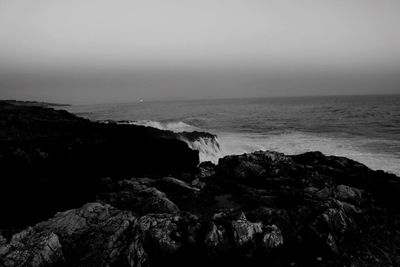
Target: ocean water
x=363 y=128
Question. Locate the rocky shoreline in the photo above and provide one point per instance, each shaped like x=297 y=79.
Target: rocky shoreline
x=81 y=193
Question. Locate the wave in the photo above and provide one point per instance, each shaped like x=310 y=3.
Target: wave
x=205 y=143
x=176 y=127
x=212 y=147
x=292 y=142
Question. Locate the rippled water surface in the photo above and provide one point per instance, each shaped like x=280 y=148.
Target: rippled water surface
x=365 y=128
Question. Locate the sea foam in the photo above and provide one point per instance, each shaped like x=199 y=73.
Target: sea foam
x=212 y=147
x=174 y=126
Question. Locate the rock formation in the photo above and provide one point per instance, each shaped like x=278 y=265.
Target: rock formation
x=258 y=209
x=51 y=160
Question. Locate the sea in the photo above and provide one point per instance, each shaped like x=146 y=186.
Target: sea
x=363 y=128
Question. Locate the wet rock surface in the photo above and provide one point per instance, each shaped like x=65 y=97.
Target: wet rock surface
x=259 y=209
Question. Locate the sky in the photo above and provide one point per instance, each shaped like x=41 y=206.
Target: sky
x=94 y=51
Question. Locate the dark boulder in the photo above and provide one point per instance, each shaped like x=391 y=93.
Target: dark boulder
x=257 y=169
x=137 y=195
x=258 y=209
x=32 y=248
x=94 y=235
x=51 y=160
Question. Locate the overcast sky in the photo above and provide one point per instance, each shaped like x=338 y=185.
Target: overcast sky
x=124 y=50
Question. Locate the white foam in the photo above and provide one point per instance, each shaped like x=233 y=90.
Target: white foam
x=297 y=142
x=177 y=127
x=288 y=143
x=209 y=149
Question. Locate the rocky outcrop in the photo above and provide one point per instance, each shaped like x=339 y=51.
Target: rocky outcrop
x=60 y=159
x=323 y=206
x=100 y=235
x=32 y=248
x=94 y=235
x=384 y=187
x=258 y=209
x=139 y=196
x=157 y=240
x=258 y=169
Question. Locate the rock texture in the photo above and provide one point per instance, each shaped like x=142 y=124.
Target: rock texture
x=286 y=213
x=60 y=158
x=258 y=209
x=32 y=248
x=138 y=195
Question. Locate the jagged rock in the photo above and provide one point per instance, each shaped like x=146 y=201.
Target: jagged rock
x=335 y=225
x=3 y=240
x=138 y=195
x=349 y=194
x=256 y=169
x=272 y=216
x=59 y=156
x=197 y=183
x=32 y=248
x=175 y=187
x=100 y=235
x=205 y=170
x=263 y=208
x=181 y=193
x=325 y=192
x=340 y=192
x=217 y=239
x=244 y=231
x=384 y=187
x=272 y=237
x=232 y=237
x=160 y=233
x=94 y=235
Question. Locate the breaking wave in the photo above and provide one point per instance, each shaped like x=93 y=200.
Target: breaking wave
x=176 y=127
x=293 y=142
x=205 y=143
x=212 y=147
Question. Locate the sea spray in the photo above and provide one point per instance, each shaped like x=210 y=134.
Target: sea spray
x=205 y=143
x=212 y=148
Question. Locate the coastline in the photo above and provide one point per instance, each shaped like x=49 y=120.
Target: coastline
x=131 y=195
x=361 y=128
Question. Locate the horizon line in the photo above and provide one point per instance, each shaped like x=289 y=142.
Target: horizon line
x=177 y=99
